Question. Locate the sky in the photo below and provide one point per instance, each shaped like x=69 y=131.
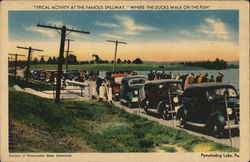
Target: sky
x=160 y=36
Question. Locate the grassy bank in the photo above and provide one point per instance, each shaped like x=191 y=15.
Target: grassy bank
x=39 y=125
x=109 y=67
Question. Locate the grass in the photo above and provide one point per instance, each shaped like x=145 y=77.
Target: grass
x=30 y=84
x=76 y=126
x=109 y=67
x=168 y=148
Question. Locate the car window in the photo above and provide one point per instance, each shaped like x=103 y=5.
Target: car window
x=118 y=80
x=133 y=82
x=175 y=86
x=198 y=93
x=221 y=92
x=194 y=93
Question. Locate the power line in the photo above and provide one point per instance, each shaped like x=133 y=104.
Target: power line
x=116 y=44
x=29 y=58
x=63 y=31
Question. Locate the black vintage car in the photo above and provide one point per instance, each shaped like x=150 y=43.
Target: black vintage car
x=214 y=106
x=163 y=96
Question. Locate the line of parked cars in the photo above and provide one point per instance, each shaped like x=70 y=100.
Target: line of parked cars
x=214 y=106
x=48 y=76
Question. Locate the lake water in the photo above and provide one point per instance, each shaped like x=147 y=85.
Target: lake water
x=231 y=76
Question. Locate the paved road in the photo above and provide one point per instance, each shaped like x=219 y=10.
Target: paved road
x=172 y=123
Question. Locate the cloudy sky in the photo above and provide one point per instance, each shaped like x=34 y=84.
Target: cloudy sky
x=151 y=35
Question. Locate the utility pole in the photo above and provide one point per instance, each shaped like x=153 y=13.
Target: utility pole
x=67 y=59
x=63 y=30
x=67 y=52
x=116 y=44
x=29 y=58
x=16 y=55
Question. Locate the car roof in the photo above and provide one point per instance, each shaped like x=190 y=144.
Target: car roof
x=119 y=75
x=210 y=85
x=134 y=77
x=72 y=70
x=163 y=81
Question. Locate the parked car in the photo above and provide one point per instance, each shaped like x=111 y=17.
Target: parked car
x=71 y=74
x=130 y=93
x=162 y=96
x=115 y=82
x=214 y=106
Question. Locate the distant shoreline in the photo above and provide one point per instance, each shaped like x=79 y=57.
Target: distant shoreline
x=123 y=67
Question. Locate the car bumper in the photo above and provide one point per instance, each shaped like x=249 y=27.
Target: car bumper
x=134 y=99
x=172 y=112
x=231 y=125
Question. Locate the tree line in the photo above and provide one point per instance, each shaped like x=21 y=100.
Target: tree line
x=72 y=59
x=216 y=64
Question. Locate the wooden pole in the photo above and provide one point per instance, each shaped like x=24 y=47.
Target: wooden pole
x=116 y=44
x=60 y=64
x=15 y=65
x=60 y=61
x=114 y=64
x=28 y=59
x=28 y=66
x=67 y=53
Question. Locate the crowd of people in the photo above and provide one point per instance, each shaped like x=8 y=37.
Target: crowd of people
x=104 y=86
x=186 y=79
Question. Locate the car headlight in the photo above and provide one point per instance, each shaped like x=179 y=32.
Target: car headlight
x=175 y=99
x=176 y=108
x=229 y=111
x=135 y=99
x=136 y=92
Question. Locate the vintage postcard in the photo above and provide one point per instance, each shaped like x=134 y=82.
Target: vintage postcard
x=124 y=81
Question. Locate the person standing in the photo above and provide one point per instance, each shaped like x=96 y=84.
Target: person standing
x=196 y=78
x=219 y=77
x=98 y=84
x=189 y=80
x=183 y=79
x=102 y=92
x=151 y=75
x=109 y=92
x=186 y=84
x=211 y=79
x=204 y=78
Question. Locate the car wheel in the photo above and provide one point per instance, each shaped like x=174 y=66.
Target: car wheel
x=145 y=107
x=216 y=130
x=129 y=104
x=164 y=114
x=116 y=98
x=182 y=121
